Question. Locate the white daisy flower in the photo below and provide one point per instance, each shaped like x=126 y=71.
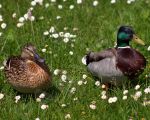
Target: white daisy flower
x=67 y=35
x=112 y=99
x=147 y=90
x=1 y=96
x=55 y=35
x=66 y=40
x=1 y=18
x=84 y=76
x=61 y=34
x=63 y=105
x=138 y=94
x=85 y=82
x=129 y=1
x=46 y=5
x=2 y=67
x=44 y=50
x=103 y=97
x=14 y=15
x=80 y=82
x=56 y=72
x=65 y=28
x=58 y=17
x=97 y=83
x=103 y=86
x=33 y=3
x=52 y=30
x=92 y=106
x=125 y=92
x=38 y=99
x=79 y=1
x=75 y=99
x=124 y=97
x=42 y=95
x=46 y=33
x=71 y=7
x=148 y=48
x=21 y=19
x=0 y=5
x=64 y=78
x=60 y=6
x=17 y=98
x=73 y=90
x=137 y=87
x=103 y=92
x=71 y=53
x=3 y=25
x=20 y=25
x=67 y=116
x=95 y=3
x=64 y=72
x=43 y=107
x=1 y=33
x=37 y=118
x=53 y=1
x=32 y=18
x=113 y=1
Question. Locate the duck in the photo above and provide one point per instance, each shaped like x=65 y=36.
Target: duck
x=28 y=72
x=114 y=66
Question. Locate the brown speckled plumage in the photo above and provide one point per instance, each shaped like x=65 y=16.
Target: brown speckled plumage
x=27 y=74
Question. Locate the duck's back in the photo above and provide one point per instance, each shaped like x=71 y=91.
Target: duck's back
x=130 y=62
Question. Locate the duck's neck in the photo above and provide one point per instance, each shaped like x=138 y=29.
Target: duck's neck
x=123 y=44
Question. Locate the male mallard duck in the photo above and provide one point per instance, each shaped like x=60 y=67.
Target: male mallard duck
x=28 y=73
x=114 y=65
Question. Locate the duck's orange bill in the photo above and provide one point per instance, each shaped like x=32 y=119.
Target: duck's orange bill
x=138 y=40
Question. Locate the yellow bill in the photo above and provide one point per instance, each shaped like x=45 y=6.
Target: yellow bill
x=138 y=40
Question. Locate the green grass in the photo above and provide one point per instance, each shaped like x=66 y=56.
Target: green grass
x=97 y=31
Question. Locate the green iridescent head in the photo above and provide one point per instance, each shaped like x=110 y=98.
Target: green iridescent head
x=125 y=35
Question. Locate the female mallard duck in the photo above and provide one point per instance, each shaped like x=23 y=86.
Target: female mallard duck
x=28 y=73
x=114 y=65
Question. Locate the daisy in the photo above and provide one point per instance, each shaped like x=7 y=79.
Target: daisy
x=1 y=96
x=60 y=6
x=95 y=3
x=137 y=87
x=56 y=72
x=3 y=25
x=92 y=106
x=43 y=107
x=63 y=78
x=71 y=53
x=125 y=92
x=84 y=76
x=80 y=82
x=71 y=7
x=17 y=98
x=42 y=95
x=67 y=116
x=46 y=33
x=44 y=50
x=97 y=83
x=124 y=97
x=79 y=1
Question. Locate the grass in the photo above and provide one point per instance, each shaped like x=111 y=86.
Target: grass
x=97 y=31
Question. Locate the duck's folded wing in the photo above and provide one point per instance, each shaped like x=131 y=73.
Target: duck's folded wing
x=97 y=56
x=34 y=70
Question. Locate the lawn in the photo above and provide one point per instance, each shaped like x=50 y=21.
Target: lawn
x=93 y=27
